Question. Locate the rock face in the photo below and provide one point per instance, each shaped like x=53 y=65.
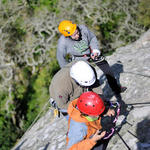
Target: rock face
x=131 y=65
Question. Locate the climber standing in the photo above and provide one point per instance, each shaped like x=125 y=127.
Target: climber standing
x=79 y=43
x=70 y=82
x=84 y=123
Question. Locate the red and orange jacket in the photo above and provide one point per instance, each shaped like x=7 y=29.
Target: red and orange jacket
x=80 y=130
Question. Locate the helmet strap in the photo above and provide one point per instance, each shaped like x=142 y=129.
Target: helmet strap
x=80 y=35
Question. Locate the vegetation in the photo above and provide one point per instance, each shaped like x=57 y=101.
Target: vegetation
x=39 y=5
x=8 y=131
x=143 y=13
x=28 y=50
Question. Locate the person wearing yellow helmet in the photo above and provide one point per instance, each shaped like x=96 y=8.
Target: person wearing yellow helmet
x=81 y=44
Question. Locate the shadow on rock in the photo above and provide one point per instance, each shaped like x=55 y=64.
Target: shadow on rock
x=46 y=147
x=143 y=134
x=117 y=69
x=19 y=146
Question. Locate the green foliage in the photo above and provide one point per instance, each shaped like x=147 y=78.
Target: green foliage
x=17 y=28
x=27 y=72
x=8 y=132
x=108 y=1
x=107 y=28
x=1 y=79
x=4 y=1
x=31 y=91
x=37 y=5
x=17 y=33
x=45 y=34
x=143 y=13
x=20 y=2
x=111 y=26
x=20 y=90
x=3 y=99
x=88 y=21
x=21 y=85
x=29 y=100
x=39 y=91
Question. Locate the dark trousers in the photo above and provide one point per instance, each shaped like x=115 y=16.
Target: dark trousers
x=104 y=66
x=101 y=145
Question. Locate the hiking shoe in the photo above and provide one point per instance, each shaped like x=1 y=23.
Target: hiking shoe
x=123 y=89
x=129 y=107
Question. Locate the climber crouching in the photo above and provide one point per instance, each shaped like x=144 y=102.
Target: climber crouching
x=87 y=114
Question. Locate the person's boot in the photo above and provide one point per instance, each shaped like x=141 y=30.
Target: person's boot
x=118 y=95
x=123 y=89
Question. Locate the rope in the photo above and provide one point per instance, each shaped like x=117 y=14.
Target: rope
x=123 y=140
x=129 y=72
x=35 y=119
x=37 y=116
x=139 y=74
x=144 y=103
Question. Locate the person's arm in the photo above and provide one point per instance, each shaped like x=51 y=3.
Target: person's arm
x=110 y=112
x=76 y=135
x=60 y=94
x=94 y=44
x=61 y=52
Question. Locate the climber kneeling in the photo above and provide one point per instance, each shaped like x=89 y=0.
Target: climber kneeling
x=84 y=124
x=70 y=82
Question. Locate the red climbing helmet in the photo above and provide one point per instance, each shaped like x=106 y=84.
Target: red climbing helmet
x=91 y=104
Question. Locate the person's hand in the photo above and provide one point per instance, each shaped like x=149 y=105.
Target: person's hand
x=95 y=53
x=98 y=136
x=110 y=112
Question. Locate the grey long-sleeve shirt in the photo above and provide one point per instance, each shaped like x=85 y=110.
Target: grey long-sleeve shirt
x=68 y=46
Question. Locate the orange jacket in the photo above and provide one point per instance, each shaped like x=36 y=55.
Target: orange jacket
x=80 y=129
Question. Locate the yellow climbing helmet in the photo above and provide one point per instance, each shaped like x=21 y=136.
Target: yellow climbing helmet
x=67 y=28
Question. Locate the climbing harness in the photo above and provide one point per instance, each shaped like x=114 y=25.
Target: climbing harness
x=54 y=105
x=70 y=57
x=57 y=110
x=97 y=59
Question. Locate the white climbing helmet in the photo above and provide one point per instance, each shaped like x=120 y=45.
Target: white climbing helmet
x=82 y=73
